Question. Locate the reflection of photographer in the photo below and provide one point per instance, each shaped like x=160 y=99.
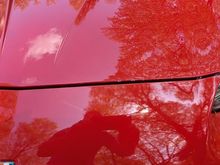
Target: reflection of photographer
x=80 y=143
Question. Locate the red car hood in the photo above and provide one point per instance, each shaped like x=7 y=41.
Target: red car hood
x=149 y=123
x=89 y=41
x=78 y=41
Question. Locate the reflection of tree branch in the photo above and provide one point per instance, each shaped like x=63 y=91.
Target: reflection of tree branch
x=158 y=151
x=174 y=147
x=150 y=158
x=87 y=6
x=168 y=120
x=26 y=139
x=170 y=155
x=188 y=136
x=20 y=152
x=182 y=90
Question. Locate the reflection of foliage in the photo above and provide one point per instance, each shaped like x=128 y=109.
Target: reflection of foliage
x=87 y=6
x=181 y=34
x=2 y=15
x=84 y=5
x=5 y=128
x=104 y=156
x=22 y=144
x=174 y=32
x=8 y=100
x=214 y=138
x=76 y=3
x=172 y=117
x=171 y=130
x=24 y=3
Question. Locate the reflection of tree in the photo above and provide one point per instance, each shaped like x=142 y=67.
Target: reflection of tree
x=84 y=5
x=87 y=6
x=173 y=35
x=171 y=117
x=76 y=3
x=8 y=100
x=22 y=4
x=22 y=143
x=2 y=15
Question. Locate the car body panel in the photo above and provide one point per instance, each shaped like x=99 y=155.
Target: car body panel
x=167 y=121
x=171 y=121
x=91 y=41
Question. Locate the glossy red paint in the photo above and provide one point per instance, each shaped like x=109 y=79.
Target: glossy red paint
x=151 y=123
x=88 y=41
x=91 y=40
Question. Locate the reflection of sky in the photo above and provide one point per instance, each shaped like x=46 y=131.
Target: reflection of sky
x=158 y=92
x=29 y=80
x=132 y=108
x=86 y=54
x=62 y=106
x=44 y=44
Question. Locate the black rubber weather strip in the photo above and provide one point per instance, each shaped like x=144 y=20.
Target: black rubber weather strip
x=103 y=83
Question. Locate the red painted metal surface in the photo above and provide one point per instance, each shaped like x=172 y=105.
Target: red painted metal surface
x=88 y=41
x=93 y=40
x=151 y=123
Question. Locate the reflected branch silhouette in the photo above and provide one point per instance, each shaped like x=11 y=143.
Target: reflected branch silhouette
x=170 y=34
x=2 y=16
x=87 y=6
x=21 y=144
x=84 y=5
x=171 y=118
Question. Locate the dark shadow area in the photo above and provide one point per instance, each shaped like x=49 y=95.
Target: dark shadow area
x=80 y=143
x=216 y=103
